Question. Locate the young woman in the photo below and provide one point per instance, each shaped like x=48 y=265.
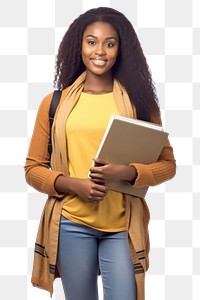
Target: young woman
x=86 y=228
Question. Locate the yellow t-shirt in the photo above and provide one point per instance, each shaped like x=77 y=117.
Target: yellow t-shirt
x=85 y=128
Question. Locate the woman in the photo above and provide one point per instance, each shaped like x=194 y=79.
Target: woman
x=87 y=229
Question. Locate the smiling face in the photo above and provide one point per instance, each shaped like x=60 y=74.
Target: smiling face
x=100 y=46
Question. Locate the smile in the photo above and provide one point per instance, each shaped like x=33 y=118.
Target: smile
x=98 y=62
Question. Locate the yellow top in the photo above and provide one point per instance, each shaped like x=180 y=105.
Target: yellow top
x=85 y=128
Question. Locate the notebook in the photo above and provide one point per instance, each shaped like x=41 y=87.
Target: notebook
x=127 y=141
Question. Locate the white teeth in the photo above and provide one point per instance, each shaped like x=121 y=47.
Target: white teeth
x=99 y=61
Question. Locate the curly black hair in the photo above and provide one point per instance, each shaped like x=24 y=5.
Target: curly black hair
x=131 y=68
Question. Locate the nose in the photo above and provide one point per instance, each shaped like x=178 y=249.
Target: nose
x=100 y=49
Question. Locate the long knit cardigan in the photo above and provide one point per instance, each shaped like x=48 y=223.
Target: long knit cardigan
x=42 y=178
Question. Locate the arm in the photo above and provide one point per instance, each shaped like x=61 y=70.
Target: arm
x=140 y=175
x=85 y=189
x=42 y=178
x=37 y=171
x=156 y=173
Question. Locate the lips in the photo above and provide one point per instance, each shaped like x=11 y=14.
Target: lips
x=98 y=62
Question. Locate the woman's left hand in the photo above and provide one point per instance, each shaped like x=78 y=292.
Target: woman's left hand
x=105 y=171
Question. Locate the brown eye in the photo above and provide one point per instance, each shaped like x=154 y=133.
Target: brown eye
x=92 y=43
x=109 y=45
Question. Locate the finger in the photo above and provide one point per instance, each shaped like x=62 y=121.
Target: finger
x=98 y=181
x=95 y=199
x=100 y=161
x=98 y=194
x=101 y=188
x=95 y=170
x=95 y=176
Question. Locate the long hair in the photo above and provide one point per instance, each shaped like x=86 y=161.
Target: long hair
x=131 y=68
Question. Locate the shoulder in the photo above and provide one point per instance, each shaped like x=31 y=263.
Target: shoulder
x=46 y=101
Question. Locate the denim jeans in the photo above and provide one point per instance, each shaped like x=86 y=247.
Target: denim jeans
x=83 y=251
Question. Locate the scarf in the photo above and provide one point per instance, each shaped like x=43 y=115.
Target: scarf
x=136 y=210
x=59 y=159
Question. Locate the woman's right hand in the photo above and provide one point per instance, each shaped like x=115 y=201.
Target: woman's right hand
x=85 y=189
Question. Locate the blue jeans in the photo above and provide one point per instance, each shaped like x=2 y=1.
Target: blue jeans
x=83 y=251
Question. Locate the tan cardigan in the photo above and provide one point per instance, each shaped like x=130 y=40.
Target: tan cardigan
x=42 y=178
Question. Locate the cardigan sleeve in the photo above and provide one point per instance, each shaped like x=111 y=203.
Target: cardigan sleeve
x=156 y=173
x=162 y=170
x=37 y=168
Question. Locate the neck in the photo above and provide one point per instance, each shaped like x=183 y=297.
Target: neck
x=98 y=84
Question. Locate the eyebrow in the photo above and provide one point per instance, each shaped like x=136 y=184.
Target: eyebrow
x=93 y=36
